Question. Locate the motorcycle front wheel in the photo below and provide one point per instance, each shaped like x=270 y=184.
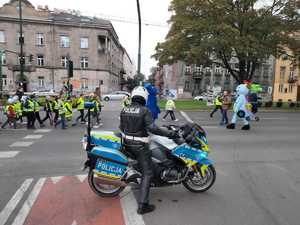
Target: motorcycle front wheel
x=103 y=190
x=197 y=183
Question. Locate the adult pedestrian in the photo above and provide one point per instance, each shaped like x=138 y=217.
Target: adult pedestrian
x=152 y=101
x=80 y=108
x=62 y=114
x=48 y=110
x=226 y=103
x=28 y=107
x=55 y=109
x=37 y=109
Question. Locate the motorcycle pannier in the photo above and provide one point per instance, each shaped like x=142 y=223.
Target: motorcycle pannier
x=110 y=163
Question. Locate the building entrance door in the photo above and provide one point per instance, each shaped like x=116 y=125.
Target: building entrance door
x=298 y=93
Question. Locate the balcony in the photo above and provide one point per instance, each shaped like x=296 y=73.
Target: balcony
x=27 y=68
x=197 y=74
x=292 y=80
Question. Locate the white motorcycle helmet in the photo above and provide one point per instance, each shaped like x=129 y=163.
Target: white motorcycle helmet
x=16 y=98
x=140 y=91
x=24 y=98
x=10 y=101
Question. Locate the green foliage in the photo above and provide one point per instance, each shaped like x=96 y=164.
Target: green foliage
x=228 y=32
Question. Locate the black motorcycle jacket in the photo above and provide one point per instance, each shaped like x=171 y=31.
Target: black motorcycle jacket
x=137 y=121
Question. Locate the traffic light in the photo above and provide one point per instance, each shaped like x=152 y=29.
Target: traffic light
x=70 y=68
x=30 y=58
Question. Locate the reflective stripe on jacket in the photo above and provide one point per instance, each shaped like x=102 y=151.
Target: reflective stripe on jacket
x=80 y=103
x=68 y=109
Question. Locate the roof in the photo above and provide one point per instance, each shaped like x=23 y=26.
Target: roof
x=26 y=2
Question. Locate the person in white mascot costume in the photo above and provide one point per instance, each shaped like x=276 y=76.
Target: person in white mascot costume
x=239 y=108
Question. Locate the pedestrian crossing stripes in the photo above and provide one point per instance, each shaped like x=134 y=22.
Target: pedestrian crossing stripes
x=42 y=130
x=9 y=154
x=43 y=200
x=37 y=136
x=21 y=144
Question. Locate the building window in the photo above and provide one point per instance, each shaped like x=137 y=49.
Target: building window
x=280 y=89
x=19 y=35
x=4 y=80
x=84 y=43
x=2 y=36
x=292 y=72
x=188 y=69
x=84 y=62
x=282 y=73
x=40 y=39
x=64 y=61
x=3 y=59
x=218 y=69
x=84 y=84
x=64 y=42
x=41 y=82
x=40 y=60
x=198 y=69
x=290 y=88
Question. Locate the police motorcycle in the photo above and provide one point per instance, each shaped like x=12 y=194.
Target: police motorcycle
x=182 y=161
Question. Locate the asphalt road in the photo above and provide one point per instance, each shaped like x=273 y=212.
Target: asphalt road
x=258 y=177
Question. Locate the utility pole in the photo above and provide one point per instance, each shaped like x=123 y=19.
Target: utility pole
x=21 y=42
x=140 y=37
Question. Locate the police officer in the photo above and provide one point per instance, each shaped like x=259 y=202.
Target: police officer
x=55 y=108
x=135 y=123
x=37 y=109
x=68 y=109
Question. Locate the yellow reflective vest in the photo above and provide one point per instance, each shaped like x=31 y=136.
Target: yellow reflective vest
x=68 y=109
x=218 y=101
x=61 y=107
x=36 y=106
x=80 y=103
x=30 y=106
x=18 y=108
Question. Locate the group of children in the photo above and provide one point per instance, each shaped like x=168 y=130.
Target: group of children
x=58 y=110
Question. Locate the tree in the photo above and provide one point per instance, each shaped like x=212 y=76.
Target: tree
x=236 y=34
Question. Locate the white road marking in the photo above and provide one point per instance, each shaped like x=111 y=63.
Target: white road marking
x=21 y=144
x=37 y=136
x=10 y=154
x=21 y=217
x=129 y=207
x=210 y=127
x=13 y=202
x=277 y=167
x=274 y=118
x=81 y=178
x=55 y=180
x=185 y=116
x=74 y=222
x=42 y=130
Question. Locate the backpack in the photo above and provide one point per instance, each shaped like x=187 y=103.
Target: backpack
x=11 y=112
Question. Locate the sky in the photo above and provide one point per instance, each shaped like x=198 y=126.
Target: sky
x=152 y=11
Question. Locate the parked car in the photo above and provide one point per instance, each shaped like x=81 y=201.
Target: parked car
x=202 y=97
x=116 y=95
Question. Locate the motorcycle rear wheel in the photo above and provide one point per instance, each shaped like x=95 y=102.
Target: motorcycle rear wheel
x=103 y=190
x=197 y=184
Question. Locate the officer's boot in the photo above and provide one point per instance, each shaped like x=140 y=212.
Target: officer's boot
x=231 y=126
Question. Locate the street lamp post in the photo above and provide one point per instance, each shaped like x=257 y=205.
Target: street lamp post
x=21 y=42
x=140 y=37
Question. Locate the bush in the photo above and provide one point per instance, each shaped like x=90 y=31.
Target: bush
x=298 y=104
x=292 y=105
x=268 y=104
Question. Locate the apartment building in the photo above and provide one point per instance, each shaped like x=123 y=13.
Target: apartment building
x=53 y=38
